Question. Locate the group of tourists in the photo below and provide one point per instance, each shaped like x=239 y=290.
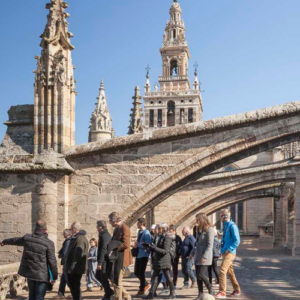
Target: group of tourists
x=105 y=261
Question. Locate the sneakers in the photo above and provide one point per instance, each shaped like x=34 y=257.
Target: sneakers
x=89 y=289
x=147 y=287
x=193 y=285
x=163 y=292
x=220 y=296
x=234 y=294
x=184 y=287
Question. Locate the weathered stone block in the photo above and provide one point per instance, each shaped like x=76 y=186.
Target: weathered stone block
x=85 y=189
x=100 y=199
x=115 y=189
x=80 y=179
x=106 y=179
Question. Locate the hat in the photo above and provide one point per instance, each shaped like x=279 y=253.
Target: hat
x=153 y=226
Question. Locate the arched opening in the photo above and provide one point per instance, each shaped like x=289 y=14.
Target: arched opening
x=171 y=114
x=174 y=34
x=174 y=68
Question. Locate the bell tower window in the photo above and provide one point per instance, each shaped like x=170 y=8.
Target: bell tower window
x=174 y=34
x=191 y=113
x=151 y=118
x=159 y=118
x=171 y=113
x=174 y=68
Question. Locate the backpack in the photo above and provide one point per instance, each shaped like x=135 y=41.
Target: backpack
x=173 y=250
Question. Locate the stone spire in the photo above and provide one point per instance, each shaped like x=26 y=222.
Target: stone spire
x=100 y=128
x=136 y=117
x=54 y=88
x=147 y=85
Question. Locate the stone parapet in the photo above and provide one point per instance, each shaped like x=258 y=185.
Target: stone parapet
x=188 y=130
x=10 y=281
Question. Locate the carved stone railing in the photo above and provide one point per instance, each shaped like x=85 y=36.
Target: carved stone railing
x=11 y=282
x=172 y=93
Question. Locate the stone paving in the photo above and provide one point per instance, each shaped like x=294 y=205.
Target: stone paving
x=263 y=273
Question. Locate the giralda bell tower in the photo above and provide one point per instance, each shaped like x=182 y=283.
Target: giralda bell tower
x=174 y=101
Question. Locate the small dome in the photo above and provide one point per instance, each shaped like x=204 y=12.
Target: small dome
x=175 y=7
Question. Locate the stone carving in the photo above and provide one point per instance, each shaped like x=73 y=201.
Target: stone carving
x=136 y=117
x=101 y=122
x=54 y=83
x=11 y=282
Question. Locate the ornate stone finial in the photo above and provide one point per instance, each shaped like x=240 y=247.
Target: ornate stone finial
x=101 y=122
x=136 y=117
x=175 y=1
x=54 y=80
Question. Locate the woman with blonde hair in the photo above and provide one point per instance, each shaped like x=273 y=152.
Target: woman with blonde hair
x=204 y=252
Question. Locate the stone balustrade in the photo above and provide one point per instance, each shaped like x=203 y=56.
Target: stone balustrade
x=10 y=281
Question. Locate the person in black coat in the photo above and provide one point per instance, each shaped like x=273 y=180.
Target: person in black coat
x=178 y=243
x=104 y=239
x=163 y=261
x=37 y=261
x=62 y=255
x=76 y=260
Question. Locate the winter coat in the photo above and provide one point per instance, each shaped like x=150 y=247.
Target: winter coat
x=104 y=239
x=63 y=251
x=76 y=258
x=122 y=234
x=178 y=242
x=204 y=247
x=38 y=254
x=188 y=245
x=162 y=251
x=92 y=265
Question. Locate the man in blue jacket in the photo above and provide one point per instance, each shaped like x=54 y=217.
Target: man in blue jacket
x=144 y=237
x=187 y=260
x=229 y=243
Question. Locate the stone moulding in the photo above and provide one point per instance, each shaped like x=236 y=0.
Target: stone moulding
x=10 y=281
x=31 y=167
x=199 y=128
x=49 y=161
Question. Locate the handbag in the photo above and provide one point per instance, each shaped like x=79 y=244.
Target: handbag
x=135 y=251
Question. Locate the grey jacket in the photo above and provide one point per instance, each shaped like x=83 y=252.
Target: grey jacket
x=204 y=247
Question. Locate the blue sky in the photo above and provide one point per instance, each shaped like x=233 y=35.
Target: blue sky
x=248 y=53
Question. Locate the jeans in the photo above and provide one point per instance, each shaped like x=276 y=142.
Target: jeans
x=213 y=267
x=139 y=271
x=187 y=270
x=74 y=285
x=201 y=277
x=63 y=283
x=37 y=290
x=227 y=268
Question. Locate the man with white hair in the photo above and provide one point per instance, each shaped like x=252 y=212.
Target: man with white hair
x=76 y=259
x=187 y=260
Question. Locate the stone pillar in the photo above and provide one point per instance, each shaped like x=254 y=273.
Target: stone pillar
x=296 y=223
x=277 y=215
x=44 y=204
